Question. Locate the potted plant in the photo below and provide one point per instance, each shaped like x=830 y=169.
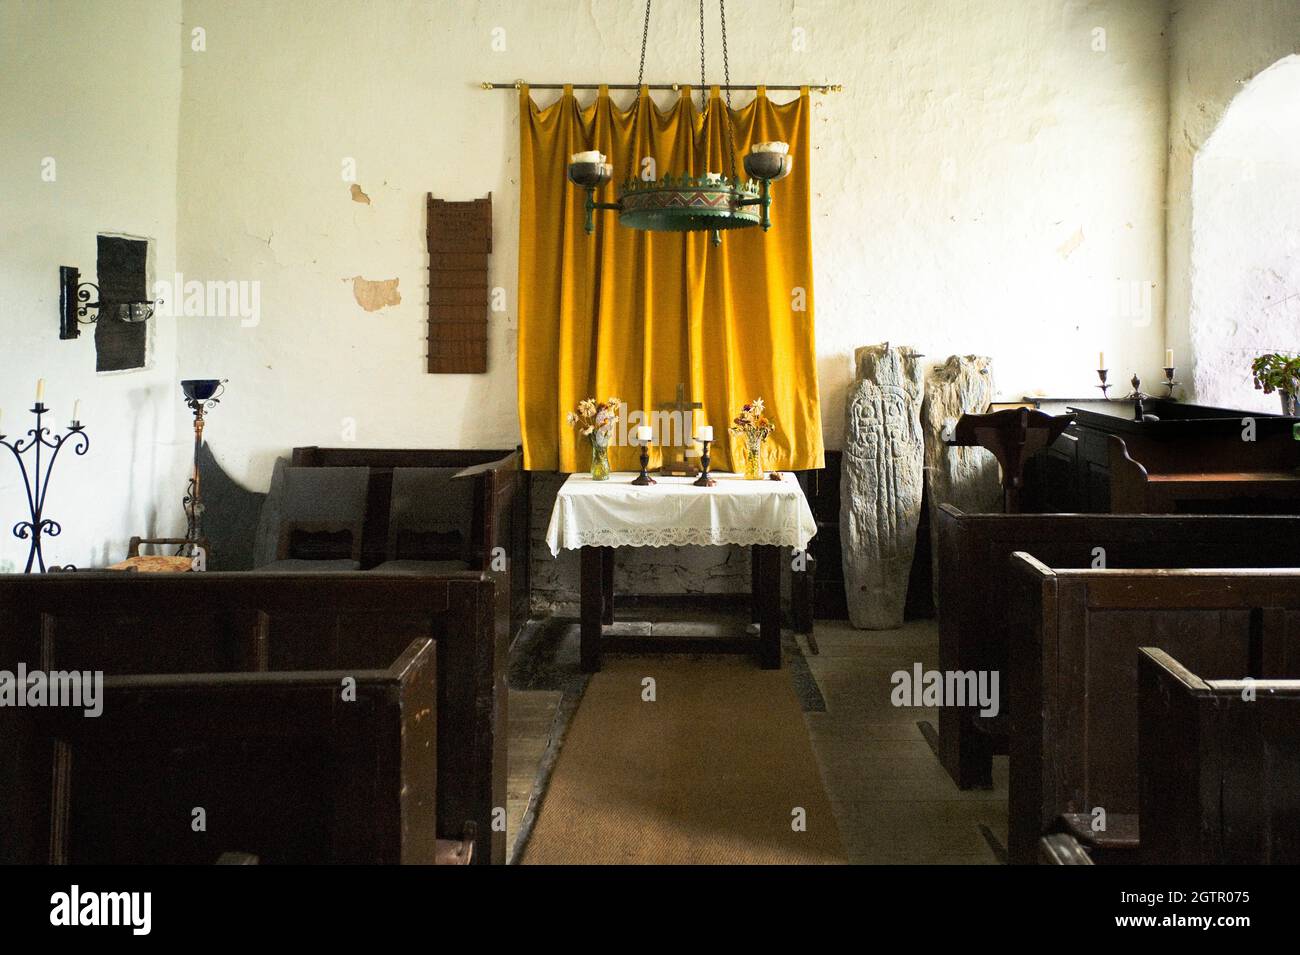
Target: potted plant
x=754 y=427
x=1281 y=373
x=595 y=422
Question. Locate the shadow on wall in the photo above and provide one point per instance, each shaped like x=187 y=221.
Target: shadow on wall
x=230 y=516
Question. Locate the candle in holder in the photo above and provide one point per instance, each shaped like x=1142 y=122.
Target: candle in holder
x=1169 y=358
x=776 y=147
x=704 y=433
x=76 y=408
x=644 y=433
x=1101 y=359
x=40 y=389
x=591 y=155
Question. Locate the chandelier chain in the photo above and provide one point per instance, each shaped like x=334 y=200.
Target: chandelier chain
x=704 y=103
x=726 y=72
x=636 y=108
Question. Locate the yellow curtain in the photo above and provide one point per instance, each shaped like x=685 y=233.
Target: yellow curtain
x=632 y=314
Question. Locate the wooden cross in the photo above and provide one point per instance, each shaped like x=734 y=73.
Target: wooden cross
x=674 y=458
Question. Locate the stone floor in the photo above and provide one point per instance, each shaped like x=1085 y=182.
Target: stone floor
x=893 y=801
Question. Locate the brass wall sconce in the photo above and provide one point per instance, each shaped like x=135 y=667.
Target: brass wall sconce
x=75 y=304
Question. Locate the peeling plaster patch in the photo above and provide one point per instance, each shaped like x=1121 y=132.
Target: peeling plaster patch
x=1066 y=248
x=374 y=294
x=358 y=195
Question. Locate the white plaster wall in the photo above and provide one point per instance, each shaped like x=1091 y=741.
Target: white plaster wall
x=1245 y=273
x=988 y=182
x=1216 y=48
x=96 y=87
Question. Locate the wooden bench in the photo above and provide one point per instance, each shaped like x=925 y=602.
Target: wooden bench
x=499 y=519
x=1073 y=679
x=179 y=769
x=974 y=589
x=1219 y=779
x=213 y=623
x=1142 y=488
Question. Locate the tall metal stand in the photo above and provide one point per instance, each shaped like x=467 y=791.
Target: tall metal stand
x=36 y=482
x=193 y=502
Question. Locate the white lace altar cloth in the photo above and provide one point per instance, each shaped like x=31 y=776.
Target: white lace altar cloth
x=617 y=513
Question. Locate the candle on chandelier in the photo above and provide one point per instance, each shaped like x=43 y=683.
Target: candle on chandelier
x=705 y=432
x=76 y=410
x=644 y=433
x=40 y=390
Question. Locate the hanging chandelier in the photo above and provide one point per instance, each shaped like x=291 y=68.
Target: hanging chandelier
x=711 y=202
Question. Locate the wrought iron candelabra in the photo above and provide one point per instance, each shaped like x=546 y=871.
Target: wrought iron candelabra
x=36 y=482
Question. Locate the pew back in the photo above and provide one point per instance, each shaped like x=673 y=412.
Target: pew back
x=1073 y=671
x=178 y=769
x=1219 y=781
x=974 y=587
x=134 y=624
x=500 y=511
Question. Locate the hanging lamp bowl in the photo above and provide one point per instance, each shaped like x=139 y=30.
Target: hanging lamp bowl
x=689 y=204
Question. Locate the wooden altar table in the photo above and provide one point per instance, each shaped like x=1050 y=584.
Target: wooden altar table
x=594 y=517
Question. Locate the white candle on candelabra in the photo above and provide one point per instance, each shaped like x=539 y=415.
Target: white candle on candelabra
x=76 y=409
x=705 y=432
x=1101 y=359
x=644 y=433
x=1169 y=358
x=40 y=389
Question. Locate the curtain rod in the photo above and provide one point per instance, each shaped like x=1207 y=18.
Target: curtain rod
x=516 y=84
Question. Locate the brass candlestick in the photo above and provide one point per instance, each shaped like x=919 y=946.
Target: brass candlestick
x=644 y=479
x=704 y=480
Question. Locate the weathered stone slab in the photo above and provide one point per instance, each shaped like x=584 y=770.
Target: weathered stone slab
x=967 y=477
x=881 y=484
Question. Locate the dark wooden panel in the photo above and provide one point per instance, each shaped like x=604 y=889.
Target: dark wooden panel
x=1074 y=659
x=317 y=622
x=973 y=586
x=459 y=236
x=1220 y=775
x=280 y=765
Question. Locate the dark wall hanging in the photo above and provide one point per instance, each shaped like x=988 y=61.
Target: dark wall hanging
x=459 y=238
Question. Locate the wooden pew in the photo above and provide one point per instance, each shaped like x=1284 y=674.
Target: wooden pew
x=179 y=768
x=974 y=588
x=1219 y=779
x=135 y=624
x=500 y=518
x=1073 y=679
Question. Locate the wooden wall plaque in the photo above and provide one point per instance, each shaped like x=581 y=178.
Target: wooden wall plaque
x=460 y=241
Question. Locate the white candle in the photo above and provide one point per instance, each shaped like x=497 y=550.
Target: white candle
x=1169 y=358
x=76 y=408
x=643 y=433
x=782 y=148
x=591 y=155
x=40 y=389
x=705 y=433
x=1101 y=359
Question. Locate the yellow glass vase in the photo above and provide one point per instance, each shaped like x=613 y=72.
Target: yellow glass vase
x=753 y=458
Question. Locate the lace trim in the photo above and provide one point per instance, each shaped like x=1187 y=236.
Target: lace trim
x=683 y=537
